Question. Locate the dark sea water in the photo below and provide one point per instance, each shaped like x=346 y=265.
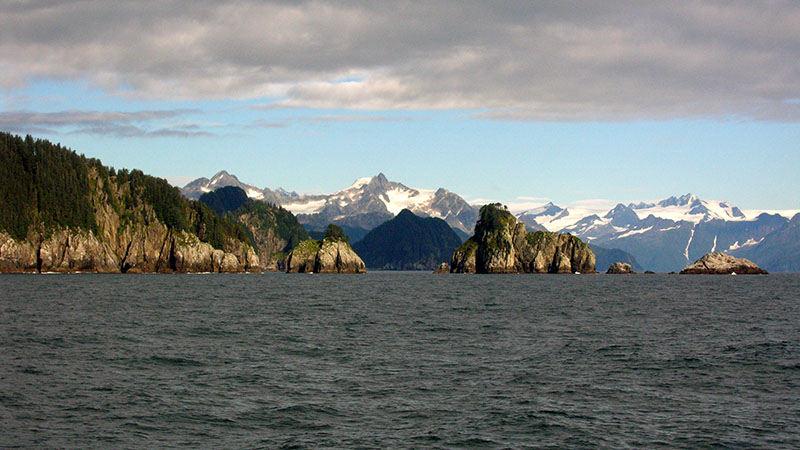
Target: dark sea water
x=399 y=360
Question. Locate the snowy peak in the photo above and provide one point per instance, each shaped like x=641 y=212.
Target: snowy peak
x=548 y=209
x=622 y=215
x=688 y=208
x=683 y=200
x=222 y=179
x=377 y=198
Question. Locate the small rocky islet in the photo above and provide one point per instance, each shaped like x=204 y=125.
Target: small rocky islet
x=619 y=268
x=332 y=254
x=722 y=264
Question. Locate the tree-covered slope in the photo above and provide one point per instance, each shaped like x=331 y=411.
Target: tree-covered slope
x=62 y=211
x=225 y=199
x=274 y=231
x=408 y=242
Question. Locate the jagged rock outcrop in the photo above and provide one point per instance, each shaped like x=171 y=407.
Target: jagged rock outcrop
x=620 y=268
x=501 y=245
x=722 y=264
x=330 y=255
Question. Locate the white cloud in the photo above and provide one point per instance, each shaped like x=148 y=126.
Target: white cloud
x=515 y=60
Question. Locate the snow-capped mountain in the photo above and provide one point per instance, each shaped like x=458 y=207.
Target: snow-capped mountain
x=222 y=178
x=365 y=204
x=664 y=235
x=370 y=201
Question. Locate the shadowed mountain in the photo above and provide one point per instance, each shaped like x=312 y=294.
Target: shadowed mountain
x=408 y=242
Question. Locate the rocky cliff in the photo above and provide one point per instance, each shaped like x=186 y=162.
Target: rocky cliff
x=721 y=264
x=330 y=255
x=274 y=230
x=128 y=221
x=501 y=245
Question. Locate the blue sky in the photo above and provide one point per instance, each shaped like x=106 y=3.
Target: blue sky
x=512 y=103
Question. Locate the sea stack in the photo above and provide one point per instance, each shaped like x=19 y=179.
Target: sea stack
x=722 y=264
x=332 y=254
x=501 y=245
x=620 y=268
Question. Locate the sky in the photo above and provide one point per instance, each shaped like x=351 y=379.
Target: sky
x=518 y=101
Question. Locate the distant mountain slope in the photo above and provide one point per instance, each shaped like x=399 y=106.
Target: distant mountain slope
x=778 y=251
x=274 y=230
x=663 y=235
x=408 y=242
x=60 y=211
x=605 y=257
x=367 y=203
x=200 y=186
x=225 y=199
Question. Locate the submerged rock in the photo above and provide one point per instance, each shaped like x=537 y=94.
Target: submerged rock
x=620 y=268
x=722 y=264
x=501 y=245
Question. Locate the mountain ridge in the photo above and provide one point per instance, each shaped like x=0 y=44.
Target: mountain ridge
x=662 y=235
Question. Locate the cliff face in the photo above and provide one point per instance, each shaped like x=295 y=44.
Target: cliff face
x=130 y=222
x=275 y=232
x=120 y=248
x=326 y=256
x=721 y=264
x=501 y=245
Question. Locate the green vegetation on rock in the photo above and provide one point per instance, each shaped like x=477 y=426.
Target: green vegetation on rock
x=65 y=212
x=336 y=233
x=274 y=231
x=501 y=245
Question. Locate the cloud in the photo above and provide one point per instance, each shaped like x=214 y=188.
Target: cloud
x=347 y=118
x=516 y=60
x=106 y=123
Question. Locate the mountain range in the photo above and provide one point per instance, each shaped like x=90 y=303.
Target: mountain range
x=664 y=235
x=365 y=204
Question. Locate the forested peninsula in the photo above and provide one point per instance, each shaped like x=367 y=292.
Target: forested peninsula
x=63 y=212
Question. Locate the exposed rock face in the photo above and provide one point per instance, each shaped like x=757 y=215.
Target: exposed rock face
x=443 y=268
x=141 y=250
x=326 y=256
x=722 y=264
x=137 y=243
x=501 y=245
x=17 y=256
x=620 y=268
x=274 y=230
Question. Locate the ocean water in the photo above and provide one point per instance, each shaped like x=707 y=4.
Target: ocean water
x=399 y=360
